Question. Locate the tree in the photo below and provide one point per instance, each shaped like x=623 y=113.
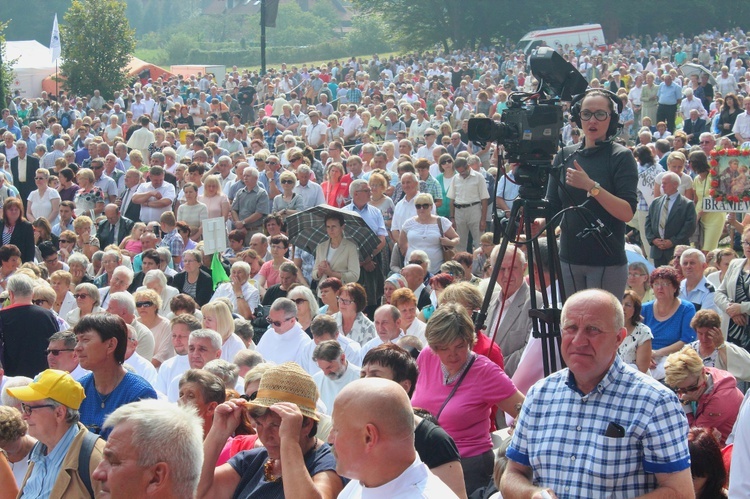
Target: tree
x=96 y=43
x=6 y=69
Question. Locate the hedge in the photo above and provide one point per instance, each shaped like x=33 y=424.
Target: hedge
x=274 y=55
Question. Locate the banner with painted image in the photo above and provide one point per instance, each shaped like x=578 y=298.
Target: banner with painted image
x=730 y=181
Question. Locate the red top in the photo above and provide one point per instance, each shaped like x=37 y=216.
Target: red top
x=336 y=195
x=718 y=408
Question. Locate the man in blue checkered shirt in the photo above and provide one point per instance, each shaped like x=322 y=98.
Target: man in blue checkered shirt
x=598 y=428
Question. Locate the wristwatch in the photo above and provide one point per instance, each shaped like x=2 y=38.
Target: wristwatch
x=595 y=190
x=722 y=346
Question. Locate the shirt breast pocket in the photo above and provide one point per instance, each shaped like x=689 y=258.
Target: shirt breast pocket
x=611 y=459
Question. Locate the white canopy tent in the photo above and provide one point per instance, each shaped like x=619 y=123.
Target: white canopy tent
x=34 y=63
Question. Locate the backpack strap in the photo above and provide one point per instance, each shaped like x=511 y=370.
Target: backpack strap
x=84 y=460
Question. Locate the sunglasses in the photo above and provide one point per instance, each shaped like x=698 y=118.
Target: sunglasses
x=422 y=206
x=277 y=323
x=299 y=301
x=56 y=352
x=142 y=304
x=689 y=389
x=288 y=182
x=445 y=162
x=38 y=302
x=272 y=163
x=39 y=178
x=416 y=262
x=80 y=296
x=66 y=241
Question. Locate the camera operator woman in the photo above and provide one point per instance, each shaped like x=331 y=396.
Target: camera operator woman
x=605 y=174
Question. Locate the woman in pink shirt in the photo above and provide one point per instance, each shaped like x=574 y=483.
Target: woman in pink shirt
x=460 y=388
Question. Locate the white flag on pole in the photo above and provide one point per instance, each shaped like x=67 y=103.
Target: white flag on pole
x=54 y=43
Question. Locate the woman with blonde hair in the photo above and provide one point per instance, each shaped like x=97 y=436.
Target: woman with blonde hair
x=710 y=396
x=287 y=202
x=43 y=202
x=86 y=243
x=214 y=199
x=147 y=304
x=335 y=191
x=218 y=316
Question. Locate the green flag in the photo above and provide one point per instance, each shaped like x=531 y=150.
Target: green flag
x=218 y=274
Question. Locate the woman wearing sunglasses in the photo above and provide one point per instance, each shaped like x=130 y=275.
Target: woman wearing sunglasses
x=422 y=232
x=709 y=395
x=147 y=304
x=307 y=306
x=87 y=299
x=288 y=202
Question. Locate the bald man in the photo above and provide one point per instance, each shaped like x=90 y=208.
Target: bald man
x=373 y=440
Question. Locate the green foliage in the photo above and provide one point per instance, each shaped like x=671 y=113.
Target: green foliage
x=96 y=44
x=368 y=35
x=6 y=70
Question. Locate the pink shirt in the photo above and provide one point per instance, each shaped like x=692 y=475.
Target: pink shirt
x=466 y=417
x=271 y=274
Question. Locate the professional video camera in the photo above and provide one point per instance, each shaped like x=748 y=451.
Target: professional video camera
x=529 y=128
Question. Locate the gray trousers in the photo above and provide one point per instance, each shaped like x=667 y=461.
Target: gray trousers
x=579 y=277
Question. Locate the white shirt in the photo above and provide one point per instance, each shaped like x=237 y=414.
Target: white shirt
x=742 y=126
x=249 y=292
x=330 y=388
x=170 y=368
x=739 y=478
x=425 y=152
x=315 y=133
x=286 y=347
x=417 y=481
x=351 y=350
x=150 y=214
x=142 y=368
x=311 y=194
x=79 y=372
x=376 y=342
x=230 y=347
x=403 y=211
x=417 y=329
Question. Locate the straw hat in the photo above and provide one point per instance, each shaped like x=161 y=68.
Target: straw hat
x=287 y=383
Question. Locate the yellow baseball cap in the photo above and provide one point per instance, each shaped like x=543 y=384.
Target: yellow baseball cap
x=51 y=384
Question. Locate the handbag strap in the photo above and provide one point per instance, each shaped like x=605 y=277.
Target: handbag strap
x=440 y=227
x=455 y=387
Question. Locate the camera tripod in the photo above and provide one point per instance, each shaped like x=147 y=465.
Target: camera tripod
x=546 y=320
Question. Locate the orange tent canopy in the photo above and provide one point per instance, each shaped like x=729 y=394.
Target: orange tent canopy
x=134 y=68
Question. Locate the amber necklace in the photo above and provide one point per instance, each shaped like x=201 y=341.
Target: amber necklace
x=268 y=466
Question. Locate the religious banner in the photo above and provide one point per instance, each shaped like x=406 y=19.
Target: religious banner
x=730 y=181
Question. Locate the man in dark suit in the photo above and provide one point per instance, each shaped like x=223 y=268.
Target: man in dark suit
x=115 y=228
x=670 y=220
x=131 y=210
x=456 y=146
x=694 y=127
x=23 y=168
x=25 y=347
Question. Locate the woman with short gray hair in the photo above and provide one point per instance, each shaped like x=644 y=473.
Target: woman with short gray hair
x=87 y=299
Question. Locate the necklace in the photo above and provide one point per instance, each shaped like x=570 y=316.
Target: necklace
x=103 y=400
x=268 y=471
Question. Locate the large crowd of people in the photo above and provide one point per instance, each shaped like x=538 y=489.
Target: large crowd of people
x=139 y=362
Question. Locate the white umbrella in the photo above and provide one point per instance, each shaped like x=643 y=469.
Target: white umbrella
x=689 y=69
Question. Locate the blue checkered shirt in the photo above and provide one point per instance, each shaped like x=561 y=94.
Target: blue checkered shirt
x=173 y=241
x=560 y=434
